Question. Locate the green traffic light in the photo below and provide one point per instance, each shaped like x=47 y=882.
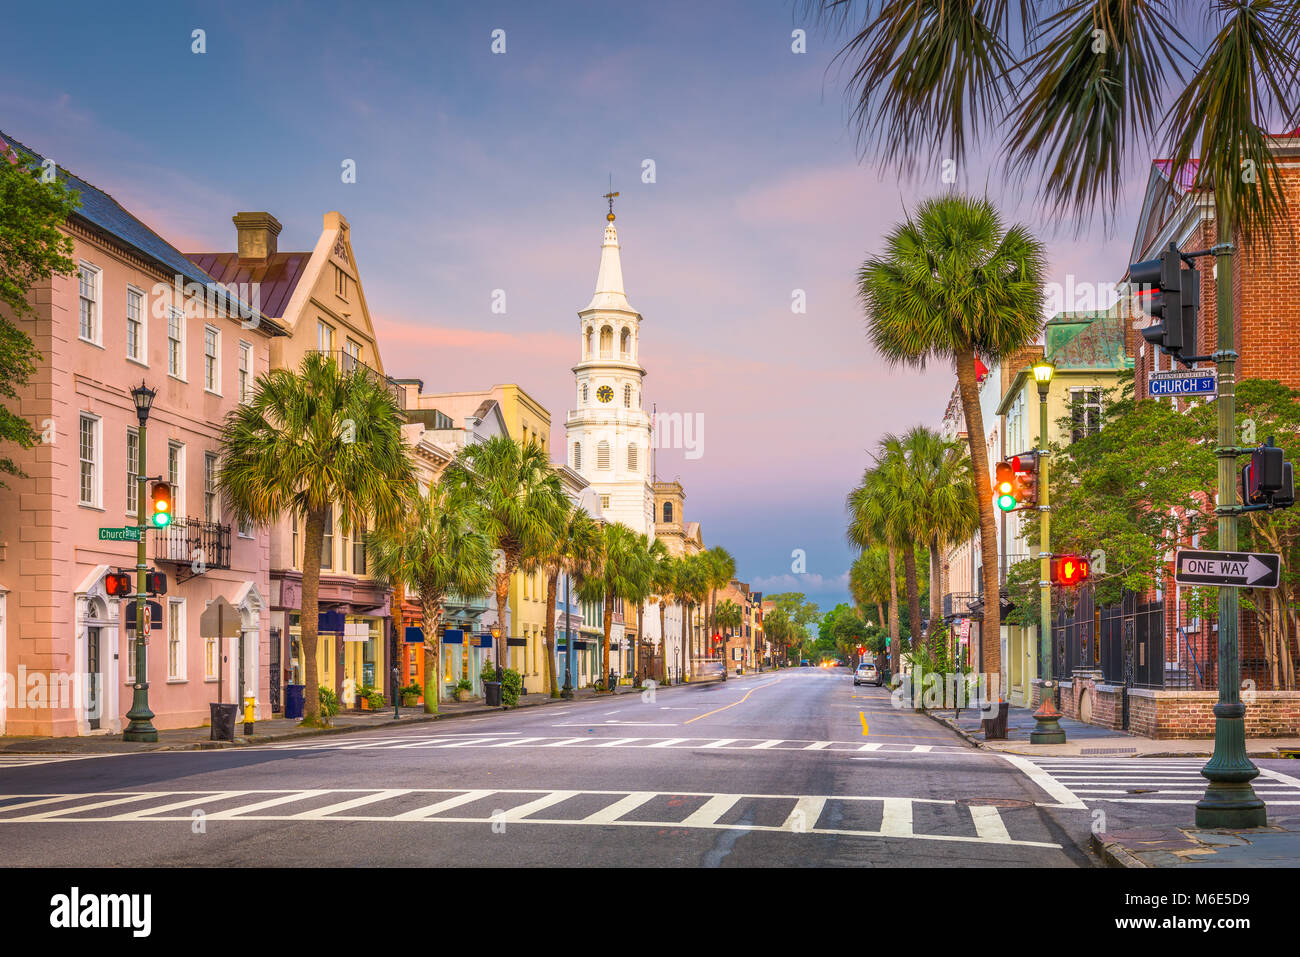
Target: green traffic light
x=1006 y=502
x=161 y=519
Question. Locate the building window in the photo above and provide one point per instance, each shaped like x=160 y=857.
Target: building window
x=624 y=341
x=130 y=657
x=584 y=393
x=577 y=455
x=1085 y=413
x=352 y=355
x=668 y=511
x=246 y=376
x=631 y=458
x=211 y=359
x=607 y=343
x=210 y=662
x=245 y=528
x=88 y=285
x=88 y=453
x=359 y=549
x=135 y=324
x=176 y=639
x=324 y=337
x=602 y=455
x=340 y=283
x=604 y=501
x=627 y=397
x=211 y=510
x=327 y=545
x=175 y=343
x=175 y=471
x=293 y=557
x=132 y=469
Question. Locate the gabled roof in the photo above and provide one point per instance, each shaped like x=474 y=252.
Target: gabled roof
x=109 y=218
x=277 y=275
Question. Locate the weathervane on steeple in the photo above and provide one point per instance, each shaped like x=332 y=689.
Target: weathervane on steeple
x=610 y=196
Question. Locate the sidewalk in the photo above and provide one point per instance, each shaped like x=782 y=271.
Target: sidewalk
x=282 y=729
x=1275 y=846
x=1086 y=740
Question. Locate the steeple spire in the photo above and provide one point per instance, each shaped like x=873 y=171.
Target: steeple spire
x=609 y=279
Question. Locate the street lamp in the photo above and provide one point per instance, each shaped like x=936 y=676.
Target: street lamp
x=1047 y=717
x=496 y=648
x=141 y=726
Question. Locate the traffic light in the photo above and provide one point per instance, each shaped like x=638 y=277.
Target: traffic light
x=1171 y=294
x=1070 y=570
x=1004 y=486
x=1268 y=479
x=117 y=584
x=1025 y=467
x=155 y=583
x=162 y=504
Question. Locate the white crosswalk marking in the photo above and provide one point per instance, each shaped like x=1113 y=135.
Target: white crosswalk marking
x=516 y=741
x=720 y=743
x=563 y=741
x=27 y=760
x=818 y=745
x=770 y=743
x=668 y=742
x=617 y=742
x=799 y=813
x=1147 y=781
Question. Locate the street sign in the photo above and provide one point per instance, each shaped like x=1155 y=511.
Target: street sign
x=130 y=533
x=153 y=615
x=1183 y=383
x=1227 y=569
x=219 y=620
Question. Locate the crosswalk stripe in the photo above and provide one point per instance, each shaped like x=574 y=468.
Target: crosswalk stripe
x=177 y=805
x=897 y=819
x=234 y=812
x=95 y=806
x=511 y=744
x=804 y=814
x=620 y=807
x=36 y=803
x=770 y=743
x=616 y=742
x=921 y=748
x=1045 y=781
x=721 y=742
x=562 y=742
x=711 y=810
x=989 y=823
x=873 y=746
x=354 y=802
x=423 y=813
x=818 y=745
x=668 y=742
x=543 y=802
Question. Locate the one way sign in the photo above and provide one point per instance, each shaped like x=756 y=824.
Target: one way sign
x=1228 y=569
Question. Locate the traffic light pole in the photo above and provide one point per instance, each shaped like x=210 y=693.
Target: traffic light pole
x=1229 y=800
x=141 y=726
x=1047 y=717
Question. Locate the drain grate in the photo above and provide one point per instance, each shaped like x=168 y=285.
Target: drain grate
x=1108 y=750
x=994 y=802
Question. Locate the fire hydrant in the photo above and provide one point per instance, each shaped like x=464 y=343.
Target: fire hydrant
x=249 y=702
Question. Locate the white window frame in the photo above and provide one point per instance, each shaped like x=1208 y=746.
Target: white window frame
x=215 y=387
x=246 y=376
x=211 y=657
x=142 y=338
x=321 y=327
x=177 y=484
x=176 y=621
x=179 y=371
x=244 y=528
x=97 y=302
x=96 y=461
x=132 y=473
x=211 y=459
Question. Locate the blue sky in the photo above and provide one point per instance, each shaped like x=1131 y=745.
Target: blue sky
x=478 y=172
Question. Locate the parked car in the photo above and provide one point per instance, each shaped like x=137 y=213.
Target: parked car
x=867 y=672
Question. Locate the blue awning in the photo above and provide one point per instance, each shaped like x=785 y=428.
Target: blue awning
x=453 y=637
x=414 y=635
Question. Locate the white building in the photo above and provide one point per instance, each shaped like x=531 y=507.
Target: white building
x=608 y=435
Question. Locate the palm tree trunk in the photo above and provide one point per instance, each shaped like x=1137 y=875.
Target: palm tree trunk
x=663 y=641
x=686 y=624
x=431 y=611
x=636 y=644
x=609 y=625
x=880 y=614
x=314 y=537
x=936 y=582
x=503 y=599
x=893 y=611
x=552 y=583
x=913 y=592
x=989 y=660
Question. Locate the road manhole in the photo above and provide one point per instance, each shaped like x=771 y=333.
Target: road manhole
x=994 y=802
x=1142 y=790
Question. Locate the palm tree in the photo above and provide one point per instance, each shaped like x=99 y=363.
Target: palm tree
x=662 y=578
x=310 y=440
x=518 y=497
x=869 y=580
x=436 y=551
x=613 y=576
x=691 y=587
x=903 y=504
x=873 y=522
x=726 y=616
x=572 y=550
x=648 y=554
x=954 y=285
x=720 y=567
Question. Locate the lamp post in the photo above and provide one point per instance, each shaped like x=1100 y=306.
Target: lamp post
x=141 y=726
x=496 y=649
x=567 y=691
x=1048 y=718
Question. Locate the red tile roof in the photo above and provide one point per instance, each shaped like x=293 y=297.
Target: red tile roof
x=277 y=275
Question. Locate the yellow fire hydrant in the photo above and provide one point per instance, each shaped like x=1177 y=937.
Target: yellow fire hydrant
x=249 y=702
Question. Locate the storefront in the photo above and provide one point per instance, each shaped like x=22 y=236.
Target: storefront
x=463 y=656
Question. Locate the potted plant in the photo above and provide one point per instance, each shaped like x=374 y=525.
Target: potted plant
x=375 y=700
x=464 y=690
x=411 y=694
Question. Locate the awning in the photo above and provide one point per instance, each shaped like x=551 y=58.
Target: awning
x=516 y=642
x=414 y=635
x=453 y=637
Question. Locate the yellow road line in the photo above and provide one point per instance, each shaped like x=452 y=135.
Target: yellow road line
x=863 y=716
x=734 y=703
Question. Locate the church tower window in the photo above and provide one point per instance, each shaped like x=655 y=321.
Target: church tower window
x=668 y=512
x=624 y=341
x=607 y=343
x=631 y=458
x=577 y=455
x=602 y=455
x=627 y=397
x=584 y=393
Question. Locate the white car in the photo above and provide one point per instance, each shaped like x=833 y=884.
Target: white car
x=867 y=673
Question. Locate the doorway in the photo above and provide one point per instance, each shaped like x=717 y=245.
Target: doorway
x=94 y=679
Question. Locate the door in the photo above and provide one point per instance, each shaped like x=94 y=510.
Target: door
x=94 y=679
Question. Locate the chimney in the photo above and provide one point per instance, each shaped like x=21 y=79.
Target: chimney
x=257 y=234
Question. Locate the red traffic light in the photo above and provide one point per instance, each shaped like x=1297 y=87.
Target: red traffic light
x=1070 y=570
x=117 y=585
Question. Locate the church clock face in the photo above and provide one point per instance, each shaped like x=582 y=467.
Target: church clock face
x=605 y=393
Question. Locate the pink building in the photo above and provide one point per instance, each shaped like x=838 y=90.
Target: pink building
x=137 y=310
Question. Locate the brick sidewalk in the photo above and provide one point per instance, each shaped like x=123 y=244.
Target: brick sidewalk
x=1275 y=846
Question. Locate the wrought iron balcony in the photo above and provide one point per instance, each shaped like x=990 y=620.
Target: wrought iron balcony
x=192 y=545
x=348 y=363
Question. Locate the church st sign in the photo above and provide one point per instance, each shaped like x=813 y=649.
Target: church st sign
x=1190 y=383
x=1227 y=569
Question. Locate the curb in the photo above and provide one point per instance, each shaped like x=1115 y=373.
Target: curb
x=1113 y=854
x=951 y=726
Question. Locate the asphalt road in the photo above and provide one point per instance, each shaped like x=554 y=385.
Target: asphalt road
x=793 y=768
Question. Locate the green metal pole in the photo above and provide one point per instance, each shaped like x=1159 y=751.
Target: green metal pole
x=1047 y=718
x=141 y=726
x=1229 y=800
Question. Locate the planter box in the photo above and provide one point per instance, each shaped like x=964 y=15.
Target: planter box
x=411 y=700
x=463 y=695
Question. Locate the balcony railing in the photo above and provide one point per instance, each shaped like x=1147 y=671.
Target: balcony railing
x=348 y=363
x=192 y=543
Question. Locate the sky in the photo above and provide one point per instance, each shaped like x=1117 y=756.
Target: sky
x=479 y=171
